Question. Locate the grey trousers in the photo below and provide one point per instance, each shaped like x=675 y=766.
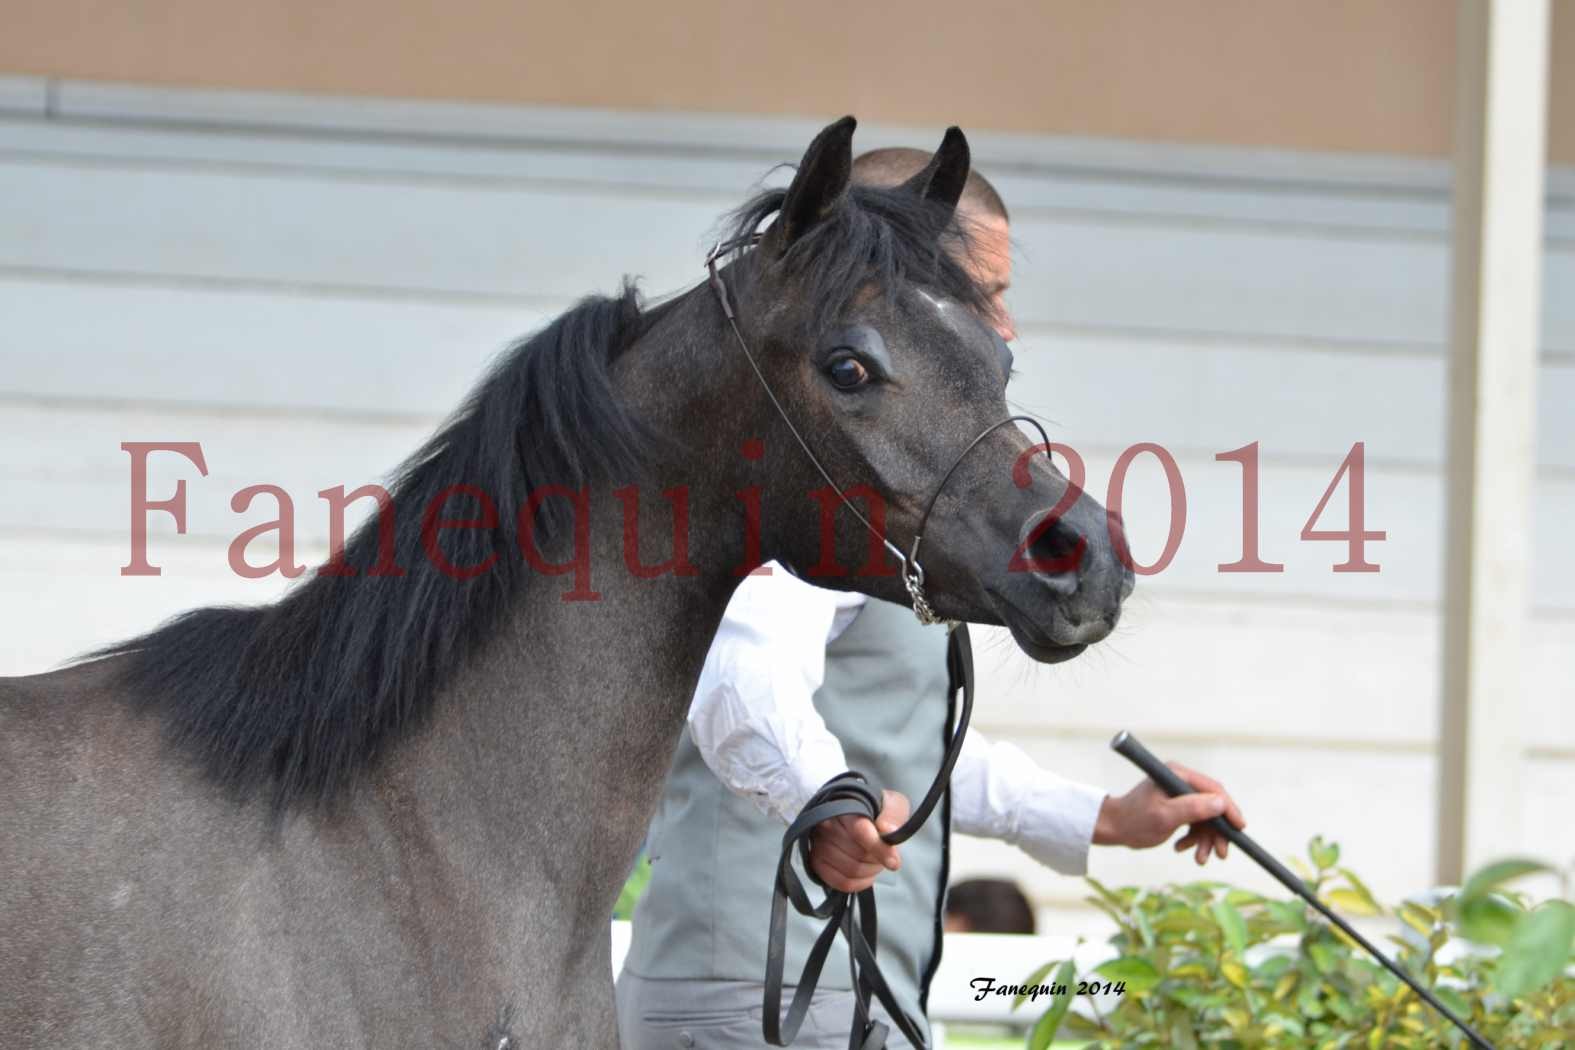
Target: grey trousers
x=726 y=1015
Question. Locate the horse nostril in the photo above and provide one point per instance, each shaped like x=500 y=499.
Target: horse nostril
x=1056 y=548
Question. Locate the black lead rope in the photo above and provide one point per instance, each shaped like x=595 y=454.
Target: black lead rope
x=853 y=914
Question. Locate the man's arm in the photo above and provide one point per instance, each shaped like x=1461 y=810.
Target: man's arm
x=999 y=792
x=753 y=718
x=754 y=722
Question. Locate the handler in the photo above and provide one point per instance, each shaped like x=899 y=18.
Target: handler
x=801 y=684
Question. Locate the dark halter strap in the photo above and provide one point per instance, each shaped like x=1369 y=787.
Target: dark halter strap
x=851 y=793
x=912 y=570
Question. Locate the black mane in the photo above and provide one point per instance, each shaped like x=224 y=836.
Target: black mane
x=296 y=697
x=300 y=694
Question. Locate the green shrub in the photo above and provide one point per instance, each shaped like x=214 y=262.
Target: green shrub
x=1207 y=965
x=633 y=889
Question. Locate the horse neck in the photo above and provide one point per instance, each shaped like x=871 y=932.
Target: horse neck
x=549 y=750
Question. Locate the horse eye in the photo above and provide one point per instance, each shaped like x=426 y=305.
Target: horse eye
x=847 y=373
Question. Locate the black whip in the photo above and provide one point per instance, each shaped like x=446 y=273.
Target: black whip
x=1132 y=749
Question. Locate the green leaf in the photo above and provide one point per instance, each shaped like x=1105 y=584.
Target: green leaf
x=1181 y=1035
x=1352 y=902
x=1074 y=1025
x=1231 y=925
x=1117 y=917
x=1484 y=879
x=1538 y=951
x=1180 y=919
x=1193 y=998
x=1344 y=1009
x=1047 y=1026
x=1283 y=1023
x=1144 y=928
x=1360 y=889
x=1489 y=918
x=1290 y=914
x=1453 y=999
x=1271 y=968
x=1031 y=980
x=1138 y=972
x=1324 y=956
x=1324 y=854
x=1115 y=900
x=1238 y=1019
x=1419 y=917
x=1308 y=1001
x=633 y=889
x=1344 y=938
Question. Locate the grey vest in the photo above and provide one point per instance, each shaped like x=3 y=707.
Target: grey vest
x=714 y=854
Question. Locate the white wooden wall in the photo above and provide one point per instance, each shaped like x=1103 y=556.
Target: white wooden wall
x=306 y=285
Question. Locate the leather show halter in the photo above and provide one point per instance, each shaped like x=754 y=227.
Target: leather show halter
x=912 y=571
x=851 y=793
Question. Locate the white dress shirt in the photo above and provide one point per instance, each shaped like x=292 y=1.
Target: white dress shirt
x=754 y=723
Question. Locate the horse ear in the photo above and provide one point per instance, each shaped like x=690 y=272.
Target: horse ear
x=822 y=179
x=943 y=178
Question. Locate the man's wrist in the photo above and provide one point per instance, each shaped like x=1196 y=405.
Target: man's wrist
x=1107 y=824
x=790 y=790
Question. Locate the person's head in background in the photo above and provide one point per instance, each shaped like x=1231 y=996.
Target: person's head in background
x=982 y=209
x=988 y=906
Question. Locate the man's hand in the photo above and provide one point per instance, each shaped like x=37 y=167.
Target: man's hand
x=846 y=853
x=1146 y=816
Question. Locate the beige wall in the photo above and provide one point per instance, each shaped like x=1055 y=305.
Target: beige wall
x=1364 y=76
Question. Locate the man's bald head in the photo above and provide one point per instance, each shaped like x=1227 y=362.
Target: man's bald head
x=989 y=242
x=897 y=164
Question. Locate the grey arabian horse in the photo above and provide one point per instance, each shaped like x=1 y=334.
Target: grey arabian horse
x=394 y=809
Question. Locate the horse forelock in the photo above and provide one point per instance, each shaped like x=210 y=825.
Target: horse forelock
x=880 y=239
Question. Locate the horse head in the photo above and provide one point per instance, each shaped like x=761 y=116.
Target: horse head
x=862 y=339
